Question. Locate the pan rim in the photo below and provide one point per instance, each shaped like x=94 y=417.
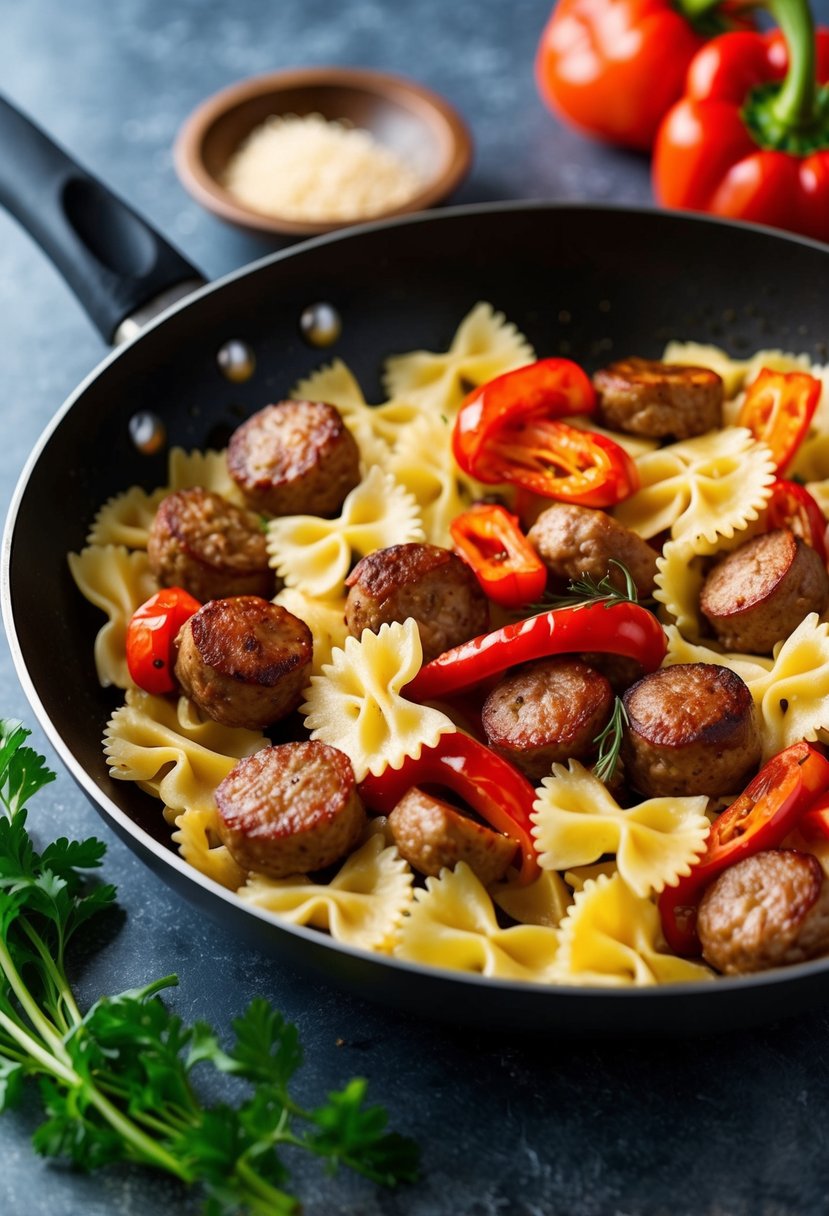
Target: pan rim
x=127 y=828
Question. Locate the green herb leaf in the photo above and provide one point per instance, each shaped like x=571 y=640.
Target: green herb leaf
x=610 y=742
x=356 y=1135
x=587 y=590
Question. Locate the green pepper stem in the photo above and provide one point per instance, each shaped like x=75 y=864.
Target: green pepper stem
x=795 y=106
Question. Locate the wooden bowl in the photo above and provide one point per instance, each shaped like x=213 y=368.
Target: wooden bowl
x=423 y=129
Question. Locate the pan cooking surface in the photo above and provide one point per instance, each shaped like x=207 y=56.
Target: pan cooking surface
x=592 y=284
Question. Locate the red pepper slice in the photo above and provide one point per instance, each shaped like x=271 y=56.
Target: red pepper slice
x=814 y=823
x=491 y=542
x=492 y=787
x=151 y=636
x=604 y=626
x=792 y=506
x=778 y=408
x=760 y=818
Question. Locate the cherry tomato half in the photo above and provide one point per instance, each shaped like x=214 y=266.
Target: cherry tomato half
x=151 y=636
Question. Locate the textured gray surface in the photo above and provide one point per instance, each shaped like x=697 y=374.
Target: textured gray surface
x=731 y=1125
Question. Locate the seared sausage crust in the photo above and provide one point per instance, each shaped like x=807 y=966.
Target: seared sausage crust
x=431 y=834
x=575 y=541
x=244 y=660
x=294 y=458
x=290 y=808
x=692 y=729
x=760 y=593
x=426 y=582
x=547 y=711
x=660 y=400
x=204 y=543
x=769 y=910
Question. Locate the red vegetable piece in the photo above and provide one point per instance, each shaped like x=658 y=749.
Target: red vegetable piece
x=151 y=636
x=778 y=408
x=792 y=506
x=490 y=541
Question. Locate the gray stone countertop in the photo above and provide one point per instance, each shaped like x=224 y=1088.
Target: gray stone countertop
x=732 y=1125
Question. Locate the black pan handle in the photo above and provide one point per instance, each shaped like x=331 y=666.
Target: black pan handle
x=114 y=262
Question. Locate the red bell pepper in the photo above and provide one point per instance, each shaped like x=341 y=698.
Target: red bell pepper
x=490 y=541
x=760 y=818
x=614 y=67
x=814 y=823
x=151 y=636
x=490 y=785
x=510 y=431
x=750 y=138
x=778 y=408
x=604 y=627
x=792 y=506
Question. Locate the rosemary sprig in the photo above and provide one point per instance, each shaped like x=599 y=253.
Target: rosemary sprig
x=610 y=742
x=586 y=590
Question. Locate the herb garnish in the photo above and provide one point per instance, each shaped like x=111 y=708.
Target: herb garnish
x=610 y=742
x=115 y=1082
x=587 y=590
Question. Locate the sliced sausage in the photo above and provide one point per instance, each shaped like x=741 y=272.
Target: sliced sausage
x=431 y=834
x=760 y=593
x=769 y=910
x=202 y=542
x=426 y=582
x=692 y=729
x=294 y=458
x=547 y=711
x=290 y=808
x=577 y=541
x=660 y=400
x=244 y=660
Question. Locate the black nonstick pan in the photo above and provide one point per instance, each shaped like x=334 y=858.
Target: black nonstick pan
x=589 y=282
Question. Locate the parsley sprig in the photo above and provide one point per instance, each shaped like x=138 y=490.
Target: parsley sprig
x=116 y=1082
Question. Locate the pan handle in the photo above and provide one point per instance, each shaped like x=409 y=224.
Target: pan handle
x=116 y=264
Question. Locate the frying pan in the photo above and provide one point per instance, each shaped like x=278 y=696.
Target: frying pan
x=591 y=282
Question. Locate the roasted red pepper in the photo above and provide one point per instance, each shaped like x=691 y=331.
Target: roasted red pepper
x=614 y=67
x=151 y=636
x=604 y=627
x=491 y=542
x=778 y=408
x=750 y=138
x=491 y=786
x=760 y=818
x=814 y=823
x=510 y=431
x=792 y=506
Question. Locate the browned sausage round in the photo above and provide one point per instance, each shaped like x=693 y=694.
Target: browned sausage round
x=547 y=711
x=431 y=834
x=761 y=592
x=576 y=541
x=204 y=543
x=692 y=729
x=426 y=582
x=244 y=661
x=290 y=808
x=294 y=458
x=768 y=910
x=660 y=400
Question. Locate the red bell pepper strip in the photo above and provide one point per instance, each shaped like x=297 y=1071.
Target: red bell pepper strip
x=490 y=541
x=151 y=636
x=778 y=408
x=792 y=506
x=510 y=431
x=490 y=785
x=604 y=627
x=766 y=811
x=614 y=67
x=814 y=823
x=750 y=138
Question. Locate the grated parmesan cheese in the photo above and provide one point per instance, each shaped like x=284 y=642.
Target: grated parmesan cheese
x=306 y=168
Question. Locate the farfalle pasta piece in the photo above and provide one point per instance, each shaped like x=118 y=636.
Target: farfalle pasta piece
x=172 y=752
x=116 y=581
x=612 y=936
x=186 y=470
x=749 y=667
x=362 y=906
x=197 y=838
x=485 y=345
x=314 y=555
x=325 y=619
x=577 y=821
x=453 y=924
x=711 y=486
x=356 y=703
x=126 y=519
x=541 y=902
